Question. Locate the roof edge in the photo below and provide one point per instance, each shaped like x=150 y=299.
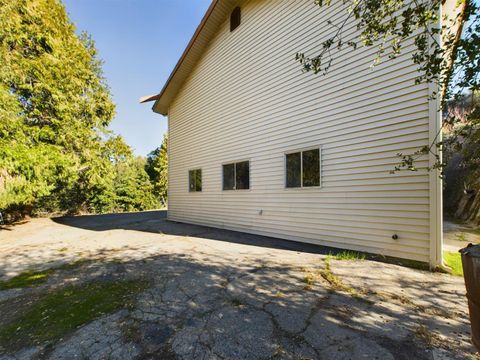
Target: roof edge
x=148 y=98
x=184 y=55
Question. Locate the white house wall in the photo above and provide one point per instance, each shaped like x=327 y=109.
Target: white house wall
x=247 y=99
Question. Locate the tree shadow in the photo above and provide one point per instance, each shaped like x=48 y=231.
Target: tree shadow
x=206 y=306
x=10 y=227
x=156 y=222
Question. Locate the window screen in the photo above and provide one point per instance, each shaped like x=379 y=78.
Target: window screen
x=294 y=170
x=229 y=177
x=303 y=169
x=195 y=180
x=198 y=180
x=242 y=175
x=311 y=168
x=236 y=176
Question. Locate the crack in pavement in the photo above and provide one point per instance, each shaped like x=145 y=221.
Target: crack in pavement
x=226 y=303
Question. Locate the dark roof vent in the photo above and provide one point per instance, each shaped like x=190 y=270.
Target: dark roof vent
x=235 y=18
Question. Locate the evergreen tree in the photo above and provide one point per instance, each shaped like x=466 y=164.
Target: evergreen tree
x=133 y=189
x=56 y=152
x=157 y=170
x=55 y=107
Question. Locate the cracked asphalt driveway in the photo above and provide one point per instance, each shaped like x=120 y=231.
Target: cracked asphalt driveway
x=216 y=294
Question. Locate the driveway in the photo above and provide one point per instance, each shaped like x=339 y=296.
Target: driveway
x=457 y=236
x=212 y=294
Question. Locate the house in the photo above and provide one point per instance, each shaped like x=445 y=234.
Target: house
x=260 y=147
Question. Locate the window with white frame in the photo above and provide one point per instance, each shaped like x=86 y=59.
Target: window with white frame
x=236 y=176
x=303 y=169
x=195 y=180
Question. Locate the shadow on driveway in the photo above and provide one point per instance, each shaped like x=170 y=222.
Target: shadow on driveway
x=156 y=222
x=212 y=305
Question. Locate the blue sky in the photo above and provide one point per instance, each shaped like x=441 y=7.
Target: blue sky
x=140 y=42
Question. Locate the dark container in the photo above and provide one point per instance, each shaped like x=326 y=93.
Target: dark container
x=471 y=272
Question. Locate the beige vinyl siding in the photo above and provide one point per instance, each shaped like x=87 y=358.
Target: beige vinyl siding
x=247 y=99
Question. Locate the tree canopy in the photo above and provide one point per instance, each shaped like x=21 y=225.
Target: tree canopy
x=56 y=151
x=446 y=36
x=157 y=169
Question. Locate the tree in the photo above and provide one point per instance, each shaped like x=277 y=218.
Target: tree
x=452 y=64
x=133 y=189
x=157 y=170
x=56 y=152
x=461 y=195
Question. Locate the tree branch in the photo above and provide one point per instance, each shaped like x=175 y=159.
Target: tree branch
x=451 y=54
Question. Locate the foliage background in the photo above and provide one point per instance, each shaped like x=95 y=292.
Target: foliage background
x=446 y=51
x=56 y=151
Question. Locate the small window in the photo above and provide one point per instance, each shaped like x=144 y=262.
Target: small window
x=195 y=180
x=303 y=169
x=235 y=18
x=236 y=176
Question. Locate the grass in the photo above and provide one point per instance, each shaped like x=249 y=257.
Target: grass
x=34 y=278
x=26 y=279
x=350 y=255
x=309 y=280
x=63 y=310
x=75 y=264
x=236 y=302
x=454 y=260
x=337 y=284
x=355 y=255
x=424 y=334
x=460 y=237
x=334 y=280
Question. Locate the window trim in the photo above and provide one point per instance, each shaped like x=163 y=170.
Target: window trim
x=302 y=150
x=188 y=184
x=235 y=174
